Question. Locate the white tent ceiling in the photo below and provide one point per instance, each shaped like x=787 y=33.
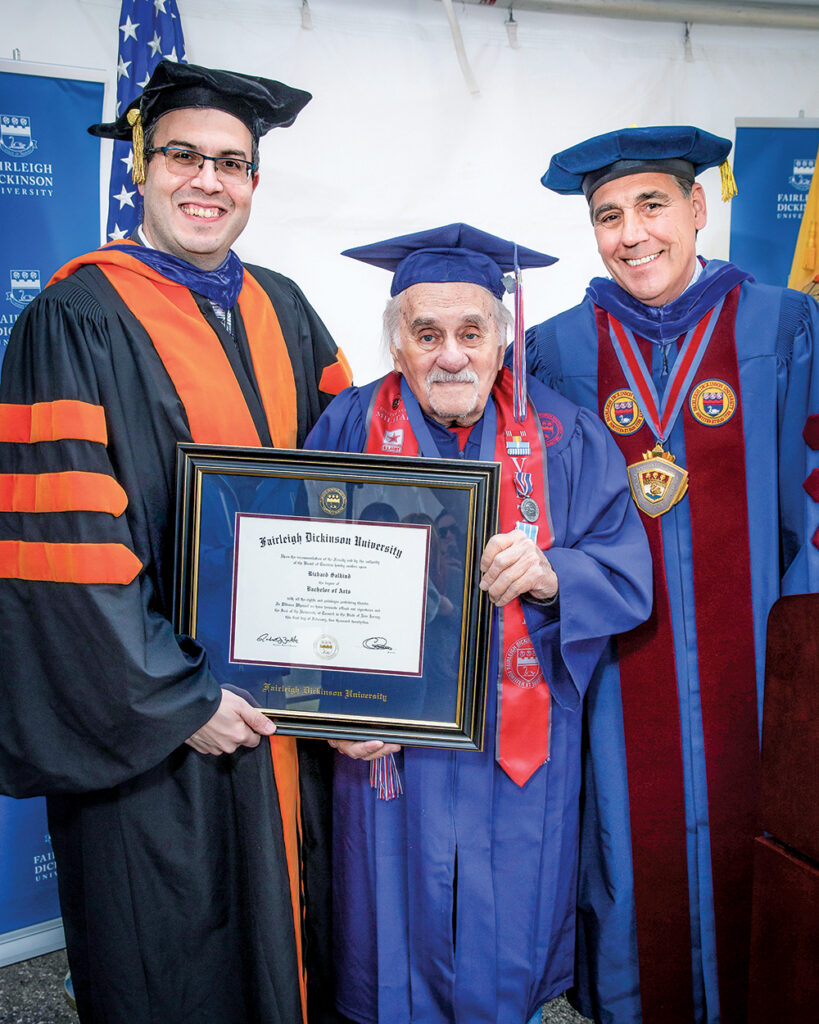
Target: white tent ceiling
x=394 y=140
x=758 y=13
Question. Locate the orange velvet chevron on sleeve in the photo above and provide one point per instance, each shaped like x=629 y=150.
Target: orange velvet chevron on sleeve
x=67 y=563
x=71 y=491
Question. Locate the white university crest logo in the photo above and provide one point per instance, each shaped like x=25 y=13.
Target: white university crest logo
x=802 y=174
x=25 y=284
x=15 y=135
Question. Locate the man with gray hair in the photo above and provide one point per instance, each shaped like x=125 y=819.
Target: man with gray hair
x=454 y=902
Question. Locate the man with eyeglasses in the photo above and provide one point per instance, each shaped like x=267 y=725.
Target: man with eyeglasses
x=174 y=815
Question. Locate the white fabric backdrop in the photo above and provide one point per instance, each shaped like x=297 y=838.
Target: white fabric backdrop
x=394 y=142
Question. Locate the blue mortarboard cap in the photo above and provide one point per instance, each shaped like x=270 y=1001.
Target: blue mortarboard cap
x=681 y=150
x=455 y=252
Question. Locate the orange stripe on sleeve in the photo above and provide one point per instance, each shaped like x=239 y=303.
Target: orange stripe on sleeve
x=61 y=492
x=337 y=376
x=67 y=563
x=53 y=421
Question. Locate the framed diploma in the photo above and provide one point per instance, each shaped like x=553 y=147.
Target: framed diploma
x=340 y=591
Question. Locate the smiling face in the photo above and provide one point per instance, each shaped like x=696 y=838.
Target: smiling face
x=197 y=218
x=450 y=349
x=646 y=234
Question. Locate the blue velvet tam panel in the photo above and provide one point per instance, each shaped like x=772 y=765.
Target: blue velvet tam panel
x=452 y=253
x=682 y=150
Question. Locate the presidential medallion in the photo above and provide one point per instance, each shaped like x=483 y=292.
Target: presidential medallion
x=657 y=483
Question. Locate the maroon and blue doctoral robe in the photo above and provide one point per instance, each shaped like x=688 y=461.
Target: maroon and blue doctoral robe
x=679 y=953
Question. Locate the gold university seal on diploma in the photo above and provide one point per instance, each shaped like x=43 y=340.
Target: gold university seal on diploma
x=657 y=483
x=333 y=501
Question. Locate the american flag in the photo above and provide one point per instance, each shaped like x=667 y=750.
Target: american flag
x=149 y=30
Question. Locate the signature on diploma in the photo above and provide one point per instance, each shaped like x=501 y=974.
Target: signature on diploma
x=377 y=643
x=281 y=641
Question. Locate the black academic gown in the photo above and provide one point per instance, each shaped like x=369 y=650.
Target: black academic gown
x=172 y=872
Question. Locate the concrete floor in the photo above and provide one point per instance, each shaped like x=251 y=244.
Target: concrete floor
x=31 y=992
x=559 y=1012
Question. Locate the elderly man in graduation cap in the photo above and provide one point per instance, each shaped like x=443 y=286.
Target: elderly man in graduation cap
x=708 y=383
x=178 y=860
x=455 y=901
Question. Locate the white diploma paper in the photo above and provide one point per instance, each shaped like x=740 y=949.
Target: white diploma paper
x=314 y=593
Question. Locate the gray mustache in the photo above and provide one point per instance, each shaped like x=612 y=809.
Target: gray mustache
x=465 y=376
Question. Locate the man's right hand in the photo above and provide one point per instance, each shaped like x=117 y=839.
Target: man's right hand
x=235 y=724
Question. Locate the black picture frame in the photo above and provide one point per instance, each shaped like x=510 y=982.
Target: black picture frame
x=224 y=492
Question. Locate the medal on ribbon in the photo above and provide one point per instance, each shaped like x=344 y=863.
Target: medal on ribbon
x=658 y=483
x=529 y=509
x=518 y=448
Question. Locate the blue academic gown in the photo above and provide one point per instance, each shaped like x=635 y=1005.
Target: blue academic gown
x=455 y=903
x=779 y=380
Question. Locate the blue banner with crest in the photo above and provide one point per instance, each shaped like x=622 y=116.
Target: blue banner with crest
x=49 y=178
x=773 y=166
x=50 y=211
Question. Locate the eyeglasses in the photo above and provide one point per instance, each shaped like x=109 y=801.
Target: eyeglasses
x=187 y=162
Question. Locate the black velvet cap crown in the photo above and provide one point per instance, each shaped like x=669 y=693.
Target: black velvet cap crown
x=259 y=103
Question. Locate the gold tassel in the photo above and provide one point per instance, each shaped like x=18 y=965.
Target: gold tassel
x=729 y=185
x=138 y=169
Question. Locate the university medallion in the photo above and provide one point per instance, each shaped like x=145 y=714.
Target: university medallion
x=657 y=483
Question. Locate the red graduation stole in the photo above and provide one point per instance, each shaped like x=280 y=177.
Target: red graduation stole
x=717 y=496
x=523 y=730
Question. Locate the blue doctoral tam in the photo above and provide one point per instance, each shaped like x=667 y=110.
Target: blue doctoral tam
x=681 y=150
x=452 y=253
